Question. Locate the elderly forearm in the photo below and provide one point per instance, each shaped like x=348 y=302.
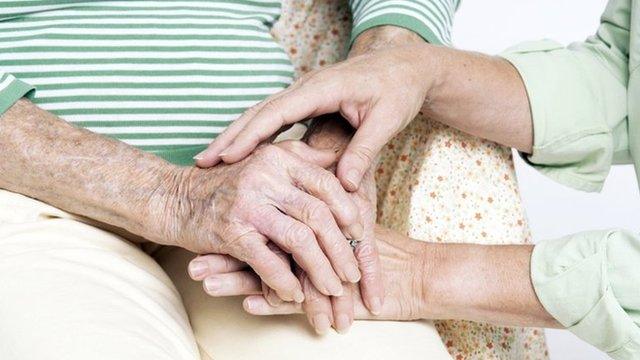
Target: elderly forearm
x=478 y=94
x=485 y=283
x=78 y=171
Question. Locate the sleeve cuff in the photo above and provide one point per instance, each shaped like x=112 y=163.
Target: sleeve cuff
x=431 y=19
x=400 y=20
x=571 y=105
x=11 y=90
x=588 y=282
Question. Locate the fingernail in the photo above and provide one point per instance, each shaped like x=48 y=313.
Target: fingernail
x=352 y=177
x=356 y=231
x=335 y=288
x=352 y=273
x=343 y=323
x=212 y=284
x=321 y=323
x=197 y=269
x=376 y=306
x=251 y=304
x=298 y=296
x=200 y=155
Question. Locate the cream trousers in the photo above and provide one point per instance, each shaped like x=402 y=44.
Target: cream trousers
x=69 y=290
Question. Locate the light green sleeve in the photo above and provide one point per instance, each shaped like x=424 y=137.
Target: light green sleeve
x=578 y=99
x=590 y=283
x=431 y=19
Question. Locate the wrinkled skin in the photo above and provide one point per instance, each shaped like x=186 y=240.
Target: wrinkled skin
x=339 y=311
x=273 y=195
x=324 y=311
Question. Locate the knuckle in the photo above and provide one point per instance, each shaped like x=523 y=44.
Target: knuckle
x=273 y=106
x=294 y=199
x=366 y=253
x=227 y=263
x=299 y=238
x=243 y=248
x=268 y=151
x=314 y=301
x=316 y=211
x=253 y=110
x=350 y=213
x=328 y=182
x=364 y=153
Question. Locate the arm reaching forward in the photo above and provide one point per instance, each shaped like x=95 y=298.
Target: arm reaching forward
x=380 y=92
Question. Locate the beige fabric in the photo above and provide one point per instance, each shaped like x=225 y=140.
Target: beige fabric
x=225 y=331
x=71 y=291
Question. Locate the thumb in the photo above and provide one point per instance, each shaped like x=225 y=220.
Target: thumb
x=361 y=153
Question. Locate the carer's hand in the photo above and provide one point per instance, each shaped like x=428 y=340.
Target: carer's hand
x=379 y=93
x=272 y=195
x=404 y=269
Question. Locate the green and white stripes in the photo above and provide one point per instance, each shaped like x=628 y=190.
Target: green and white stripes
x=432 y=19
x=155 y=74
x=166 y=76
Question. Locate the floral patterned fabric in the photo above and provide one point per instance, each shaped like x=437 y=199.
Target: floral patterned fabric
x=434 y=183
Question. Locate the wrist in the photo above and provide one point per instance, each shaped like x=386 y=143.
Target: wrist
x=429 y=264
x=383 y=37
x=433 y=66
x=164 y=212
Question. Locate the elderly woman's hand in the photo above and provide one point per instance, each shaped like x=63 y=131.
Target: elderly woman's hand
x=273 y=195
x=322 y=310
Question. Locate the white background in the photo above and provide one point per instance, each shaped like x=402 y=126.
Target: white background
x=553 y=210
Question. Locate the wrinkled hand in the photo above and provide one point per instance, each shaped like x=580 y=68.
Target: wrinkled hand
x=322 y=310
x=273 y=195
x=378 y=93
x=403 y=272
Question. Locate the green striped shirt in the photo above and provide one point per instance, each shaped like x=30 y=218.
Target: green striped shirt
x=165 y=76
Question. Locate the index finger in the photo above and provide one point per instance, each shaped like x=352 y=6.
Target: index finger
x=211 y=155
x=300 y=103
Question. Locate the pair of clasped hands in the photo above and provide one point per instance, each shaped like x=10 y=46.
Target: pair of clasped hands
x=308 y=264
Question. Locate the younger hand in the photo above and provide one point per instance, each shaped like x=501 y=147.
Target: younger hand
x=403 y=270
x=378 y=93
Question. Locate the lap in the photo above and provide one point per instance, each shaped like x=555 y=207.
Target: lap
x=71 y=291
x=224 y=331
